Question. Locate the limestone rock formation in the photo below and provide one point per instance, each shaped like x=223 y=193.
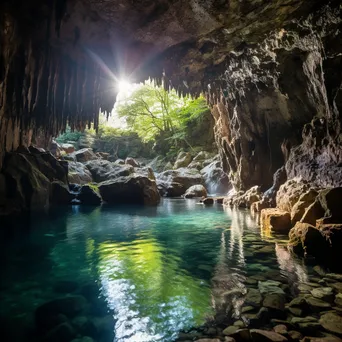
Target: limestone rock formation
x=196 y=191
x=133 y=189
x=173 y=183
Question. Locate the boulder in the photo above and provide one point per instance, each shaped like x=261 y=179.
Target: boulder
x=197 y=190
x=173 y=183
x=102 y=170
x=84 y=155
x=276 y=220
x=68 y=148
x=78 y=173
x=131 y=189
x=25 y=179
x=132 y=162
x=244 y=199
x=207 y=201
x=327 y=205
x=183 y=160
x=215 y=179
x=145 y=171
x=60 y=193
x=89 y=194
x=103 y=155
x=51 y=313
x=306 y=239
x=290 y=192
x=119 y=162
x=305 y=200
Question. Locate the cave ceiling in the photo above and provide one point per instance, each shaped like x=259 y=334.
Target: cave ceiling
x=186 y=40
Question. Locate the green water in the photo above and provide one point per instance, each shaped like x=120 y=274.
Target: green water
x=158 y=270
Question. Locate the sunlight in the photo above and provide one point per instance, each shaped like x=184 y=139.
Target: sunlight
x=124 y=85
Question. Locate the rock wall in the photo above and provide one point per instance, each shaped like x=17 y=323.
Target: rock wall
x=270 y=91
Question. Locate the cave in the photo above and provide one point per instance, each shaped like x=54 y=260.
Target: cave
x=102 y=250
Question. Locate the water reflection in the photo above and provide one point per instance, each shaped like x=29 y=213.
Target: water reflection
x=160 y=269
x=151 y=297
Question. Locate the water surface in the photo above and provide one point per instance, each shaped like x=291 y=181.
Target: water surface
x=160 y=269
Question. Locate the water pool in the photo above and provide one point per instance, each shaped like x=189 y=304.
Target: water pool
x=158 y=270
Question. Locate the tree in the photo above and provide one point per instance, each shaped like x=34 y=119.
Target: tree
x=152 y=111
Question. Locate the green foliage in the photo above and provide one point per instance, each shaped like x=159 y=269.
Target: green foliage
x=155 y=114
x=69 y=136
x=120 y=143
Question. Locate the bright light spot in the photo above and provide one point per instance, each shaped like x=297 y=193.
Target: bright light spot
x=124 y=86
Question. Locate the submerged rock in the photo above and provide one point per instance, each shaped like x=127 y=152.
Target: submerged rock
x=131 y=189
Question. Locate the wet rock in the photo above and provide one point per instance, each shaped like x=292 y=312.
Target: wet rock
x=270 y=286
x=275 y=220
x=102 y=170
x=84 y=326
x=298 y=320
x=248 y=308
x=231 y=330
x=244 y=199
x=296 y=311
x=119 y=162
x=60 y=193
x=78 y=173
x=211 y=340
x=264 y=250
x=280 y=329
x=304 y=238
x=295 y=335
x=174 y=183
x=89 y=194
x=183 y=160
x=215 y=179
x=319 y=270
x=145 y=171
x=84 y=155
x=274 y=301
x=196 y=191
x=324 y=293
x=65 y=286
x=336 y=286
x=63 y=332
x=334 y=276
x=331 y=322
x=132 y=189
x=317 y=304
x=253 y=298
x=49 y=313
x=266 y=336
x=338 y=299
x=207 y=201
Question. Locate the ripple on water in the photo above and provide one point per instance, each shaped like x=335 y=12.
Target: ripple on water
x=160 y=270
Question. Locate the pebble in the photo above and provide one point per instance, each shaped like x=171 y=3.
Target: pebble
x=264 y=335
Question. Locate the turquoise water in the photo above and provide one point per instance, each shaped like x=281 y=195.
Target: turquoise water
x=158 y=270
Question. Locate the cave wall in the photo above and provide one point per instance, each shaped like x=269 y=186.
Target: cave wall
x=48 y=76
x=270 y=92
